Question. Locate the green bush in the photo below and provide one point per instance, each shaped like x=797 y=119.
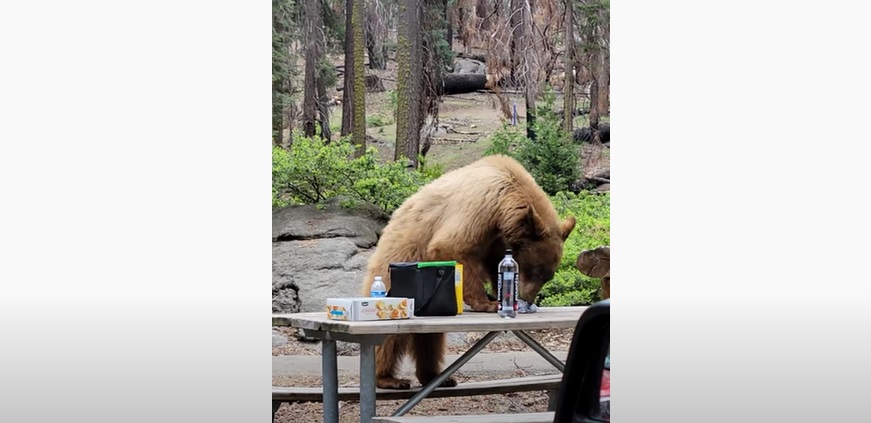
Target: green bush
x=506 y=140
x=375 y=121
x=551 y=159
x=312 y=172
x=593 y=229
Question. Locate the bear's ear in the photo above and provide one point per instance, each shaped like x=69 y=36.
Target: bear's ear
x=535 y=224
x=566 y=227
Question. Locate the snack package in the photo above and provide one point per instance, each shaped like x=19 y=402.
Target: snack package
x=370 y=308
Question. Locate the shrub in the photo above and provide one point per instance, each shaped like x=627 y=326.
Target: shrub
x=551 y=159
x=506 y=140
x=375 y=121
x=312 y=172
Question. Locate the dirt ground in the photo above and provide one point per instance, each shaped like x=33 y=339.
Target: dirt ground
x=523 y=402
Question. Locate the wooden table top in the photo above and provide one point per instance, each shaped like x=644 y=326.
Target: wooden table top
x=469 y=321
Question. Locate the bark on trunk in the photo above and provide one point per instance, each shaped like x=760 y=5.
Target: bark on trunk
x=359 y=115
x=409 y=82
x=569 y=84
x=348 y=83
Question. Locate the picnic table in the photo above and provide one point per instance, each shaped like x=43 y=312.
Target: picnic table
x=369 y=334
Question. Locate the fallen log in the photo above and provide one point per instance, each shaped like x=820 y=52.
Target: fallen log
x=462 y=83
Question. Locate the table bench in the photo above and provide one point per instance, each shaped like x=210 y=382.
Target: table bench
x=467 y=389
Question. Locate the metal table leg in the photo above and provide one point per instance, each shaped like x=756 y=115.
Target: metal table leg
x=528 y=340
x=444 y=375
x=331 y=381
x=367 y=382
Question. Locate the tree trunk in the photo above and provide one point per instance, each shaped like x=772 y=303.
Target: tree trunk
x=409 y=82
x=375 y=35
x=312 y=24
x=449 y=33
x=569 y=84
x=604 y=80
x=282 y=68
x=530 y=69
x=516 y=46
x=323 y=109
x=461 y=27
x=348 y=83
x=358 y=124
x=277 y=122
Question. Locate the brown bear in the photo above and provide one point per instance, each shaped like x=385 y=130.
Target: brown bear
x=471 y=215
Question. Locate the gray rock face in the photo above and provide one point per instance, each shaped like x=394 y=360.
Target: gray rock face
x=318 y=254
x=285 y=293
x=278 y=340
x=463 y=66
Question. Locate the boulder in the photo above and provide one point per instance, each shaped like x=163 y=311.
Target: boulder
x=320 y=253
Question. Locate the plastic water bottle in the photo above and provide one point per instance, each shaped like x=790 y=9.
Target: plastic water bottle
x=507 y=293
x=378 y=289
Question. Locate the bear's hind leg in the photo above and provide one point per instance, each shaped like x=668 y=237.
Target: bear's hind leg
x=387 y=358
x=429 y=354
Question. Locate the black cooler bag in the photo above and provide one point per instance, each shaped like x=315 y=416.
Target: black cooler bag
x=431 y=284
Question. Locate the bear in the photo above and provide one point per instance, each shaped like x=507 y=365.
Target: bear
x=471 y=214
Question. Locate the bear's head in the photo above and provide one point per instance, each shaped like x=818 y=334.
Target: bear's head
x=537 y=246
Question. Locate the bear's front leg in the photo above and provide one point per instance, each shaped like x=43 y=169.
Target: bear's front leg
x=474 y=277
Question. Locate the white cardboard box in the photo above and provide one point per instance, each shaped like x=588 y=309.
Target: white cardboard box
x=370 y=308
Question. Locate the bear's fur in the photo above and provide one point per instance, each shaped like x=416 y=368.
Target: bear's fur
x=471 y=215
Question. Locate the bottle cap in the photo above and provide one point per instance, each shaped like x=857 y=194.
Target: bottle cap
x=507 y=251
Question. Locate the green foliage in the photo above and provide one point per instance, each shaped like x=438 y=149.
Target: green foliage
x=376 y=120
x=593 y=229
x=552 y=159
x=429 y=171
x=312 y=172
x=506 y=140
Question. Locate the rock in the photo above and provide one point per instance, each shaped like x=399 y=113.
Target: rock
x=307 y=222
x=278 y=340
x=300 y=335
x=462 y=66
x=318 y=254
x=285 y=294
